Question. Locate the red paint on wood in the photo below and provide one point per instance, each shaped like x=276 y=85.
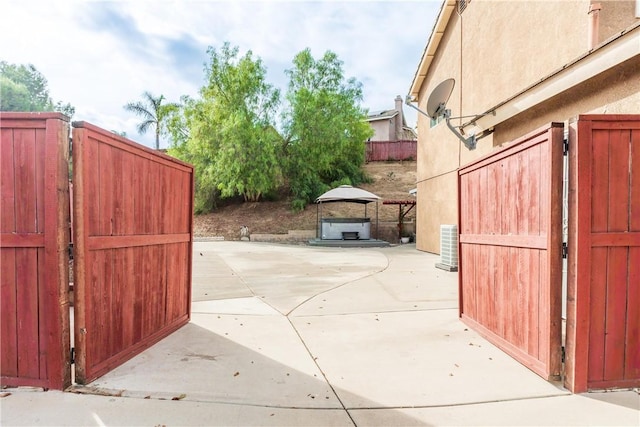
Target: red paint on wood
x=616 y=313
x=136 y=210
x=508 y=201
x=381 y=151
x=34 y=198
x=632 y=327
x=8 y=326
x=602 y=328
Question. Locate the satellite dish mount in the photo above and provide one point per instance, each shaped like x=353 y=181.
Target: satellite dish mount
x=437 y=106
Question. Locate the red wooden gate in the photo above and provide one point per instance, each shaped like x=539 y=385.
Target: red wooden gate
x=132 y=236
x=34 y=256
x=603 y=313
x=510 y=241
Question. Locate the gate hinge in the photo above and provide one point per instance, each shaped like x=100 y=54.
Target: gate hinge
x=565 y=250
x=72 y=356
x=565 y=146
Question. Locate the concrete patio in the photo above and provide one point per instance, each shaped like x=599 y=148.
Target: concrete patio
x=295 y=335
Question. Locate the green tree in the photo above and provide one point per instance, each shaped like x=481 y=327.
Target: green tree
x=325 y=128
x=24 y=88
x=229 y=134
x=153 y=114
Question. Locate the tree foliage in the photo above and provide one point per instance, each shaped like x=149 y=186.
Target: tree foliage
x=153 y=113
x=228 y=133
x=325 y=128
x=24 y=88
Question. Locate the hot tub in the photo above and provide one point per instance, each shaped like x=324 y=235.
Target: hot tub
x=345 y=228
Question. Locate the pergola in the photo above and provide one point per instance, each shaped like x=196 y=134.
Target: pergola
x=402 y=204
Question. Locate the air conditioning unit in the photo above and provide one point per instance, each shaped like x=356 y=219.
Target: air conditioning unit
x=448 y=247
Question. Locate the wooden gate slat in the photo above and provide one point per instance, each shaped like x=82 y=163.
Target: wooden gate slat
x=597 y=313
x=25 y=182
x=619 y=174
x=40 y=157
x=616 y=313
x=632 y=335
x=8 y=326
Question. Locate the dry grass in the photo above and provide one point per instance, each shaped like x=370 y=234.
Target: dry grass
x=391 y=181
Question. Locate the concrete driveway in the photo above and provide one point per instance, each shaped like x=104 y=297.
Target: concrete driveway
x=294 y=335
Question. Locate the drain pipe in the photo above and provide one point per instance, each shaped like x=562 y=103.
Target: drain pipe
x=594 y=23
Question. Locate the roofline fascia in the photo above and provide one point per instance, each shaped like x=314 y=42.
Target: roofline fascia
x=446 y=10
x=610 y=53
x=388 y=116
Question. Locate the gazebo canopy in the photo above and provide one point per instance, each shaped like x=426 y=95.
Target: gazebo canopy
x=347 y=193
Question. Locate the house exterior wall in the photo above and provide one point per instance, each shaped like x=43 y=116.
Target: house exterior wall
x=383 y=130
x=494 y=50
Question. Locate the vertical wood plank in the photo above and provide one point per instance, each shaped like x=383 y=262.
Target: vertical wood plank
x=600 y=179
x=616 y=313
x=468 y=271
x=533 y=304
x=105 y=191
x=634 y=182
x=118 y=183
x=25 y=181
x=544 y=309
x=8 y=314
x=118 y=298
x=494 y=203
x=27 y=312
x=502 y=290
x=46 y=307
x=481 y=284
x=534 y=193
x=597 y=313
x=7 y=182
x=55 y=308
x=618 y=180
x=39 y=166
x=632 y=336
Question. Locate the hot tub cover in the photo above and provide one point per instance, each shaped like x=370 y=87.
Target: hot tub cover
x=347 y=193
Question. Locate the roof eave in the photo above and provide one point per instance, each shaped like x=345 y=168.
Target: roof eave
x=447 y=8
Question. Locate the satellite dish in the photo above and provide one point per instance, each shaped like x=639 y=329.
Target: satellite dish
x=437 y=106
x=437 y=102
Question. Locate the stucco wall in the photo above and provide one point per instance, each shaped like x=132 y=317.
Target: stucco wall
x=614 y=92
x=615 y=14
x=382 y=130
x=494 y=50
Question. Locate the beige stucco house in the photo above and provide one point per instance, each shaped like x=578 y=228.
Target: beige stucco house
x=391 y=125
x=527 y=63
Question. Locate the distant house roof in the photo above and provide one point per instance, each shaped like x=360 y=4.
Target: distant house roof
x=380 y=115
x=347 y=193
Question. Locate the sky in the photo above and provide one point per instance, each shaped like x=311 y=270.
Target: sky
x=100 y=55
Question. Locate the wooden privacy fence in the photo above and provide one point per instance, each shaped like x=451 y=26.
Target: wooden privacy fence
x=132 y=235
x=510 y=248
x=380 y=151
x=603 y=313
x=34 y=320
x=132 y=249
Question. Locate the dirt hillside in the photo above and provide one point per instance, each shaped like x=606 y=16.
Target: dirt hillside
x=391 y=181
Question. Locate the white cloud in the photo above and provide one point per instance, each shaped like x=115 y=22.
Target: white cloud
x=100 y=55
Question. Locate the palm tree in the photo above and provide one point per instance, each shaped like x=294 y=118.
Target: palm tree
x=152 y=112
